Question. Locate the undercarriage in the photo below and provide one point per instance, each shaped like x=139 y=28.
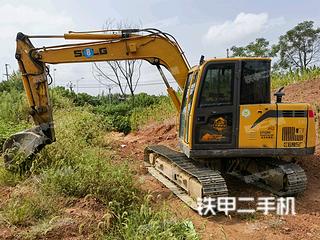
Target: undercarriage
x=193 y=179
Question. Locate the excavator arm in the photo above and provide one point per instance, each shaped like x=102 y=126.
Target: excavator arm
x=154 y=46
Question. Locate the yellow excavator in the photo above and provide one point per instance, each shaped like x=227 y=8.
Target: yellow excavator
x=228 y=124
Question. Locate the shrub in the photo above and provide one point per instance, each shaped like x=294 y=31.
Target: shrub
x=117 y=109
x=59 y=100
x=144 y=100
x=125 y=116
x=14 y=83
x=159 y=112
x=119 y=123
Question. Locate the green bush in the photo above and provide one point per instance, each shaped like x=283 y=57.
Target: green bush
x=59 y=100
x=13 y=107
x=14 y=83
x=144 y=100
x=159 y=112
x=13 y=104
x=125 y=116
x=114 y=109
x=118 y=123
x=118 y=112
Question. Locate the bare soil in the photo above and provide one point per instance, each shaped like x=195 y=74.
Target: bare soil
x=304 y=225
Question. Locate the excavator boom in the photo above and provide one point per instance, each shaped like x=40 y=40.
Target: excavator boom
x=154 y=46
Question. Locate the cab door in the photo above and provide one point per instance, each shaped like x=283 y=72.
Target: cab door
x=216 y=112
x=187 y=101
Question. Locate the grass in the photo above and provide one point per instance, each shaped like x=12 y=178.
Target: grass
x=25 y=210
x=10 y=179
x=79 y=165
x=284 y=79
x=14 y=114
x=14 y=108
x=145 y=223
x=76 y=166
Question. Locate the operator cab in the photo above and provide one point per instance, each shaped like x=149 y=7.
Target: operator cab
x=227 y=111
x=209 y=119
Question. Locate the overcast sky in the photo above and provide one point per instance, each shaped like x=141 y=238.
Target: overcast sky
x=205 y=27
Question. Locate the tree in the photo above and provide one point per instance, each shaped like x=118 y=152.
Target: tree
x=14 y=83
x=259 y=48
x=124 y=74
x=299 y=47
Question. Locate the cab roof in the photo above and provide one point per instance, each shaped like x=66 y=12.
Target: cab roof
x=234 y=59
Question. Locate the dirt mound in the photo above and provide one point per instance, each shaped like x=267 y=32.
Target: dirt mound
x=166 y=133
x=155 y=133
x=308 y=91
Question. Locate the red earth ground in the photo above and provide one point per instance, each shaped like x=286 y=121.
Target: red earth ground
x=304 y=225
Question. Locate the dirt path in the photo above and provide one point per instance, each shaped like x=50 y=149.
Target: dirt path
x=305 y=225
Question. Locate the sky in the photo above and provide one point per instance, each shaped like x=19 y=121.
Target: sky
x=206 y=27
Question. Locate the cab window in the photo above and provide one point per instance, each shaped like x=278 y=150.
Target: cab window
x=255 y=82
x=217 y=86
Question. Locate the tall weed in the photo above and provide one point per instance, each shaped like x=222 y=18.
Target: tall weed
x=293 y=76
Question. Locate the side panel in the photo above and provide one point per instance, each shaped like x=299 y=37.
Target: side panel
x=257 y=128
x=292 y=125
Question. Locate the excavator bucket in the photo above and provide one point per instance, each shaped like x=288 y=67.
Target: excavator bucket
x=22 y=146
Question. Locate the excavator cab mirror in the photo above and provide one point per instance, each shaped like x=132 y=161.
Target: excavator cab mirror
x=279 y=94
